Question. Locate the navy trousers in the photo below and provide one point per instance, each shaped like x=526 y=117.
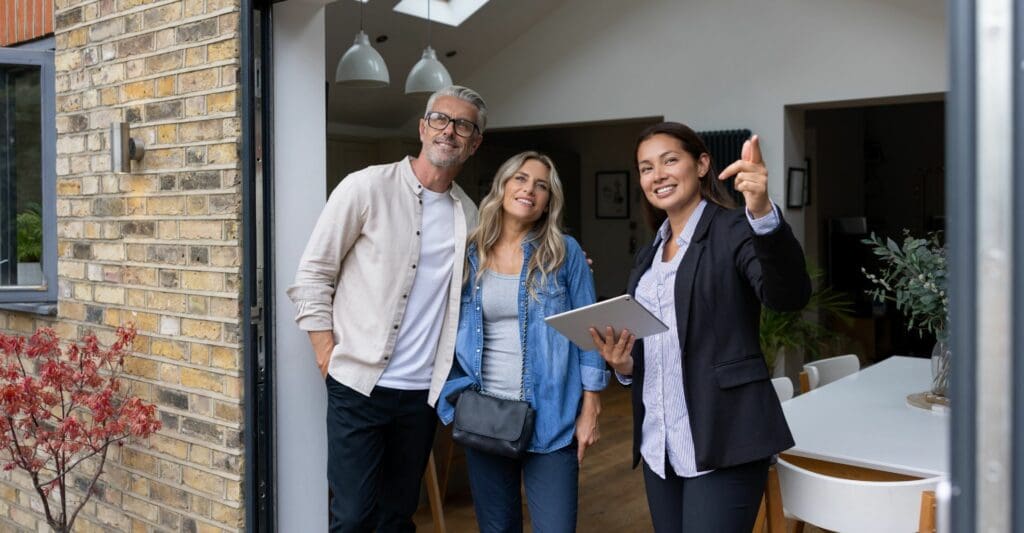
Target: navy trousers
x=377 y=449
x=724 y=501
x=552 y=489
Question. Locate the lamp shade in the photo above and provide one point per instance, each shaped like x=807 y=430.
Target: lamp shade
x=427 y=75
x=362 y=66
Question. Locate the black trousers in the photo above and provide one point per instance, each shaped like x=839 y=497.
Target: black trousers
x=724 y=501
x=377 y=449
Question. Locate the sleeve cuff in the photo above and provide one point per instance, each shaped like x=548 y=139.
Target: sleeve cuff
x=625 y=380
x=765 y=224
x=594 y=379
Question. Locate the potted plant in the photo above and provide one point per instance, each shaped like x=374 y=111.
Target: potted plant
x=795 y=330
x=30 y=245
x=913 y=275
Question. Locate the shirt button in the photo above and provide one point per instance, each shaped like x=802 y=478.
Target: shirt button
x=405 y=296
x=414 y=266
x=417 y=233
x=396 y=326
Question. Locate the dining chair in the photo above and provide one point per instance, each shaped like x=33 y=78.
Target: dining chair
x=825 y=371
x=854 y=506
x=784 y=388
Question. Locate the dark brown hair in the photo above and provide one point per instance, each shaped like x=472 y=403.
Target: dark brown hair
x=711 y=188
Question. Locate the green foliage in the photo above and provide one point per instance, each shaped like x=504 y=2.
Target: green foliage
x=30 y=234
x=801 y=329
x=914 y=276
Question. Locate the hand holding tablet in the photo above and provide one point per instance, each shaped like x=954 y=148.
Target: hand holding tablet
x=619 y=313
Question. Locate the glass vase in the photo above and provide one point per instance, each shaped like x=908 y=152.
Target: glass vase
x=942 y=364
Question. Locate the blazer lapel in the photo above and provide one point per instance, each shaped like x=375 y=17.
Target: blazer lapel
x=642 y=264
x=687 y=272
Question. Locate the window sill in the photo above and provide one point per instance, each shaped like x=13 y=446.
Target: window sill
x=36 y=308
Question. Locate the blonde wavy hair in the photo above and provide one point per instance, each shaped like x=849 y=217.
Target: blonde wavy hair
x=549 y=252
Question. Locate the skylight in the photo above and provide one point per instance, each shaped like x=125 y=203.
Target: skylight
x=450 y=12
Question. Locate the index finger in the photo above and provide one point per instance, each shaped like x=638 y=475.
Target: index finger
x=752 y=148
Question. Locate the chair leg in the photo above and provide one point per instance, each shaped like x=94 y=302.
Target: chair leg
x=773 y=503
x=927 y=520
x=805 y=382
x=434 y=495
x=761 y=518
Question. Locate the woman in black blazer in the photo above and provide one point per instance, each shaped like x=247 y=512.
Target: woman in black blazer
x=706 y=420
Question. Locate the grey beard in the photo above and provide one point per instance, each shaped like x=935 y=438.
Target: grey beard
x=442 y=162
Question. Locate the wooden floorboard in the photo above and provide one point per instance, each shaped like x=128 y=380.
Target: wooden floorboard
x=611 y=493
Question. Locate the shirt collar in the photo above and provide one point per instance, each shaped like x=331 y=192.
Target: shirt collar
x=410 y=179
x=686 y=236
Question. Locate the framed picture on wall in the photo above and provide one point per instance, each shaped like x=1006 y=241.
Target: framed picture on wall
x=796 y=188
x=611 y=194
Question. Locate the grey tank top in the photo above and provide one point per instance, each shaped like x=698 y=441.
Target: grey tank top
x=502 y=365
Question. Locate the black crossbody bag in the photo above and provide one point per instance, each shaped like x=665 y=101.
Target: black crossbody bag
x=493 y=425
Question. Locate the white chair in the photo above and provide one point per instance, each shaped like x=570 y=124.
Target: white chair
x=852 y=506
x=784 y=388
x=825 y=371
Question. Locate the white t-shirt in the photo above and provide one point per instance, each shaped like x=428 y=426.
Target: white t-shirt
x=412 y=362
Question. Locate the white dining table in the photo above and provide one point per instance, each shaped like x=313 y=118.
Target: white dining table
x=864 y=420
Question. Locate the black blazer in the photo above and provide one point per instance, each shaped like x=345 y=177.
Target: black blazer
x=725 y=275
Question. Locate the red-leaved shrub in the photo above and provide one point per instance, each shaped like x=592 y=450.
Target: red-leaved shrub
x=61 y=407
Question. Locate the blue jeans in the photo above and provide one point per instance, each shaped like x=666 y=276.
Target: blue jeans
x=552 y=487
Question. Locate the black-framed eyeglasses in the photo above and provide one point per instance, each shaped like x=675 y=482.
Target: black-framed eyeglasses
x=440 y=121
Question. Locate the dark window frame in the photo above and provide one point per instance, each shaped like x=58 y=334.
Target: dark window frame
x=40 y=299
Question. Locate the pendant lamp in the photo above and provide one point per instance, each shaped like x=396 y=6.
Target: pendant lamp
x=428 y=75
x=362 y=66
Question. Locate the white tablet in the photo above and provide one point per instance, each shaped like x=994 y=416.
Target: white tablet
x=621 y=312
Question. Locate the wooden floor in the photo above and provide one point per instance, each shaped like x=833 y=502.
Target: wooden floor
x=611 y=493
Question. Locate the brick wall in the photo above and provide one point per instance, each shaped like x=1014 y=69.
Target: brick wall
x=159 y=247
x=24 y=20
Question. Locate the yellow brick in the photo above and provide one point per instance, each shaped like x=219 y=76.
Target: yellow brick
x=220 y=102
x=164 y=158
x=199 y=379
x=223 y=50
x=195 y=56
x=166 y=445
x=108 y=295
x=146 y=321
x=224 y=307
x=136 y=297
x=203 y=482
x=167 y=133
x=220 y=154
x=108 y=251
x=166 y=301
x=136 y=206
x=168 y=349
x=108 y=96
x=200 y=131
x=199 y=354
x=169 y=373
x=165 y=86
x=200 y=329
x=138 y=460
x=201 y=229
x=70 y=310
x=138 y=366
x=206 y=281
x=166 y=205
x=199 y=80
x=144 y=509
x=69 y=187
x=227 y=358
x=138 y=90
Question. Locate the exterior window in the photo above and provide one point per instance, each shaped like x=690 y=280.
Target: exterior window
x=27 y=177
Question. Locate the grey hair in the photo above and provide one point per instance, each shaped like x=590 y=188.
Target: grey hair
x=467 y=95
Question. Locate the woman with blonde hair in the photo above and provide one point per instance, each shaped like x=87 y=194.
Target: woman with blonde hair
x=520 y=269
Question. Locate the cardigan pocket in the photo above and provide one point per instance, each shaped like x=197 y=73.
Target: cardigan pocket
x=741 y=371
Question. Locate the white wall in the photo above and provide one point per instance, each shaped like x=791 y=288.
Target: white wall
x=714 y=65
x=300 y=399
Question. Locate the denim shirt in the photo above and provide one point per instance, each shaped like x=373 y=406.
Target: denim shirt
x=556 y=371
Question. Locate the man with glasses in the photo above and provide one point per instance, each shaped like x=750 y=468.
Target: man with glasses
x=377 y=290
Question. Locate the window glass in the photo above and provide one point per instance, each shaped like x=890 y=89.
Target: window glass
x=21 y=176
